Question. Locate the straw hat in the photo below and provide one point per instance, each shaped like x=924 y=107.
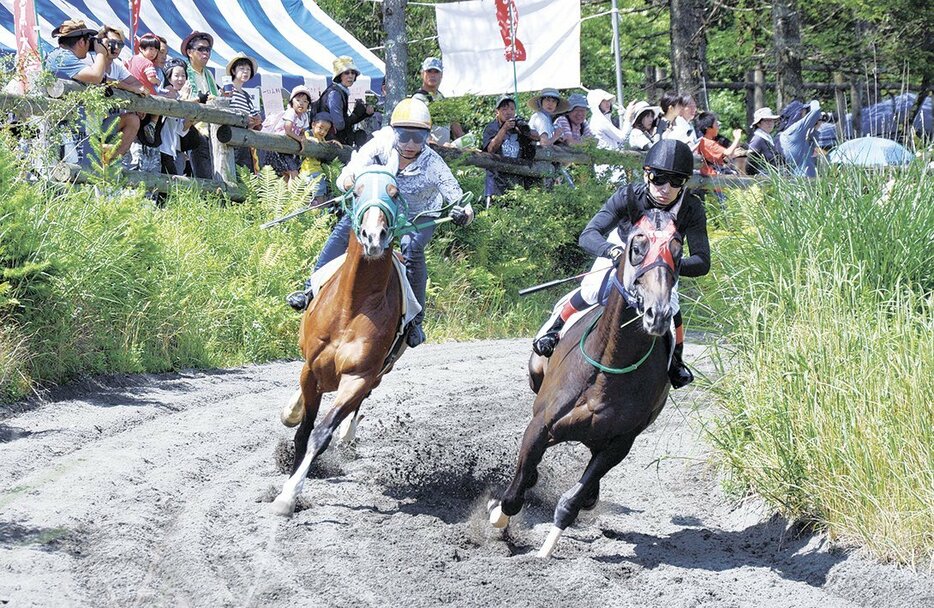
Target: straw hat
x=72 y=29
x=344 y=64
x=241 y=56
x=536 y=102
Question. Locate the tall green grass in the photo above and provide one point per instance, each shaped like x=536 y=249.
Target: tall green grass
x=824 y=292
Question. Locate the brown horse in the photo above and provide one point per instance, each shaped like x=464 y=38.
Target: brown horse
x=607 y=380
x=348 y=329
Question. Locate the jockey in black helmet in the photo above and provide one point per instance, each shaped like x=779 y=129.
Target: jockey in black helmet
x=667 y=167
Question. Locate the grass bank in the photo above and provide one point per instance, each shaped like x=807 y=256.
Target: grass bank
x=823 y=291
x=100 y=280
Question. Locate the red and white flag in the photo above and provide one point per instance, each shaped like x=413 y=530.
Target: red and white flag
x=134 y=23
x=489 y=45
x=28 y=60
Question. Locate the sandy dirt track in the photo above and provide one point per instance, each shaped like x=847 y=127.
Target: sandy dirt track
x=154 y=491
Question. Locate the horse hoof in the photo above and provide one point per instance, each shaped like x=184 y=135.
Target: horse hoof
x=294 y=411
x=348 y=428
x=498 y=519
x=550 y=543
x=283 y=506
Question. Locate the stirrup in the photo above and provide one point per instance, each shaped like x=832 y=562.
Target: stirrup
x=679 y=374
x=545 y=346
x=299 y=300
x=415 y=335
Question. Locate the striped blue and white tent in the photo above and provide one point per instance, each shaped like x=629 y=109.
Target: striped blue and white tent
x=294 y=41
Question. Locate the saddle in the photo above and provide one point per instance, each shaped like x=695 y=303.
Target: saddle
x=410 y=305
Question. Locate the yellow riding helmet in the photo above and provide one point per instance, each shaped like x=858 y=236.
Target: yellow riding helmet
x=411 y=113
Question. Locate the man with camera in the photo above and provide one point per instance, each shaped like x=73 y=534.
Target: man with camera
x=510 y=136
x=84 y=56
x=197 y=46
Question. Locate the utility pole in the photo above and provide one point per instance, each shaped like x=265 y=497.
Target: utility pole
x=397 y=51
x=614 y=15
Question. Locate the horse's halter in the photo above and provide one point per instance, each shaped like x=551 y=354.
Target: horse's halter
x=377 y=188
x=663 y=249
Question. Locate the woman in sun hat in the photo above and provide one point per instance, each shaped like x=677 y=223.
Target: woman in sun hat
x=644 y=124
x=762 y=151
x=336 y=101
x=546 y=106
x=242 y=68
x=572 y=126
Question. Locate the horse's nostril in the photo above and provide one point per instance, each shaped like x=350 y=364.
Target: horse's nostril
x=649 y=313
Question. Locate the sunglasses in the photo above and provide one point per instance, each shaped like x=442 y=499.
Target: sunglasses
x=203 y=49
x=660 y=178
x=418 y=136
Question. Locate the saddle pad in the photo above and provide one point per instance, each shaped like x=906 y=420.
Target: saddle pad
x=410 y=305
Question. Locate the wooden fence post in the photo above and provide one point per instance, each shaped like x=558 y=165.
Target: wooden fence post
x=840 y=99
x=750 y=97
x=856 y=99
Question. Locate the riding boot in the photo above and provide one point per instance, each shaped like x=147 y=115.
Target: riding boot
x=299 y=300
x=415 y=335
x=545 y=345
x=678 y=372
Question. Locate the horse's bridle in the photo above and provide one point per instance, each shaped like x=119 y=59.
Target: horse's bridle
x=659 y=254
x=375 y=191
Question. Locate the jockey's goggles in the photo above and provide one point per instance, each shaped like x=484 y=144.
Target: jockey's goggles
x=660 y=178
x=405 y=135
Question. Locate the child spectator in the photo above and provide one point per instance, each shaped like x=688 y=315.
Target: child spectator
x=311 y=167
x=241 y=68
x=142 y=66
x=293 y=123
x=175 y=76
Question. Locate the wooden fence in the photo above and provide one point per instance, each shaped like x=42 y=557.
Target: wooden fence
x=228 y=131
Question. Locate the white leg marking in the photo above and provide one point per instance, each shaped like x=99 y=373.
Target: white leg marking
x=497 y=518
x=551 y=542
x=294 y=410
x=348 y=428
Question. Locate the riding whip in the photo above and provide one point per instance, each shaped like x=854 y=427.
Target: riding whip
x=556 y=282
x=299 y=212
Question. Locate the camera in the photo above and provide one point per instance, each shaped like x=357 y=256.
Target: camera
x=826 y=117
x=522 y=125
x=112 y=46
x=202 y=97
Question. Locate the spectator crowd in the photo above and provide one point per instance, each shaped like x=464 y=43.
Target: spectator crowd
x=779 y=142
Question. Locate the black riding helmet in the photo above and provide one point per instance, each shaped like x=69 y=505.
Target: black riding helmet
x=670 y=156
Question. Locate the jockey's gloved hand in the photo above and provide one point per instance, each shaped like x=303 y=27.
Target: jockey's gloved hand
x=461 y=216
x=616 y=254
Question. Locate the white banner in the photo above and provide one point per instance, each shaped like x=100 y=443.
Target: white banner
x=478 y=49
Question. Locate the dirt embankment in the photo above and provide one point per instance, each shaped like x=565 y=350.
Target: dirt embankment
x=154 y=490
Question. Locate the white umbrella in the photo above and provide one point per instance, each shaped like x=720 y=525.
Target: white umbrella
x=871 y=152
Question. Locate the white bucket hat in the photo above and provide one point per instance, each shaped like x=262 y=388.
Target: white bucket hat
x=763 y=114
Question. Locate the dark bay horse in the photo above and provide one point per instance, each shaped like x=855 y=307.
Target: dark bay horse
x=607 y=380
x=348 y=328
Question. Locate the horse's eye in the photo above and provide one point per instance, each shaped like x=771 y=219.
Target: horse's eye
x=638 y=248
x=676 y=249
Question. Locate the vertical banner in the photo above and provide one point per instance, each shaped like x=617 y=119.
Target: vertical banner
x=134 y=23
x=28 y=60
x=487 y=45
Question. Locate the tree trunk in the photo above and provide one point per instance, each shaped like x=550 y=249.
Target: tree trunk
x=786 y=24
x=688 y=46
x=397 y=52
